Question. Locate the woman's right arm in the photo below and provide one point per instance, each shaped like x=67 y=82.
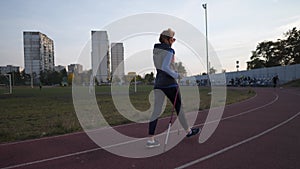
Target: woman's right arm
x=166 y=66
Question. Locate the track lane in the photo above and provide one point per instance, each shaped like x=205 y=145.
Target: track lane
x=94 y=158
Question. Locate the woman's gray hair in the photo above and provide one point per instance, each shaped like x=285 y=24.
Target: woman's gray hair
x=166 y=34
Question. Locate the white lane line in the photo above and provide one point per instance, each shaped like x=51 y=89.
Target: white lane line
x=71 y=154
x=82 y=132
x=50 y=159
x=228 y=117
x=123 y=143
x=237 y=144
x=243 y=101
x=66 y=135
x=243 y=113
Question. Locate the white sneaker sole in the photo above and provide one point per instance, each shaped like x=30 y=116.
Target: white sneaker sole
x=152 y=146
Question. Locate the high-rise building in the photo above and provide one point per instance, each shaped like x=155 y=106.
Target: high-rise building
x=38 y=53
x=75 y=68
x=100 y=56
x=117 y=60
x=59 y=68
x=9 y=69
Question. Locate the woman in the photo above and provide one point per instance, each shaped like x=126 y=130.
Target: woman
x=166 y=85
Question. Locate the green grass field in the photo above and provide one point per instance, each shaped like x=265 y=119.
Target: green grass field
x=33 y=113
x=294 y=83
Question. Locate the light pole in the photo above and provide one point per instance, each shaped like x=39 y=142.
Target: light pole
x=207 y=66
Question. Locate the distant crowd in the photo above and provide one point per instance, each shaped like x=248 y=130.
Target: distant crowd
x=254 y=82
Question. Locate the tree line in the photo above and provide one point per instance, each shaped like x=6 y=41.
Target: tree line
x=18 y=78
x=47 y=77
x=51 y=77
x=282 y=52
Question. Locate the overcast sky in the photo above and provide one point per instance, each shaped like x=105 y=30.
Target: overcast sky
x=234 y=26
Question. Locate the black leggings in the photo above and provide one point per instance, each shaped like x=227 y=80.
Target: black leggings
x=159 y=97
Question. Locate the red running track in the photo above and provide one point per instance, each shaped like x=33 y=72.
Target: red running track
x=259 y=133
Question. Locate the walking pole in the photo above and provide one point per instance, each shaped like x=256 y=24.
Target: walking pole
x=170 y=122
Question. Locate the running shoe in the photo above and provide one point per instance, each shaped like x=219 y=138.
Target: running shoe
x=193 y=131
x=152 y=144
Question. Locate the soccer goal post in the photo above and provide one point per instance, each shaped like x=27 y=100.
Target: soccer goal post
x=6 y=84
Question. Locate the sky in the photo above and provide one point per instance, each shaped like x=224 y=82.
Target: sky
x=235 y=27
